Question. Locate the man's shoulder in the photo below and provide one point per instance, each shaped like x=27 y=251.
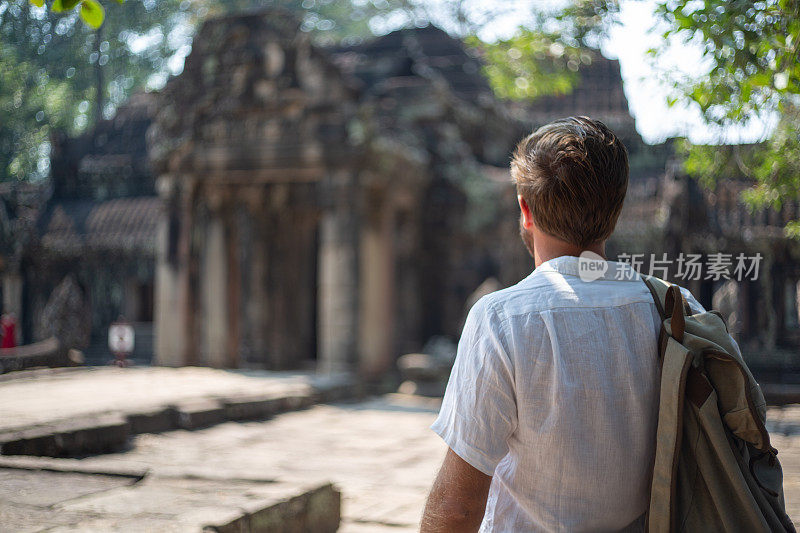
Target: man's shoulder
x=551 y=291
x=529 y=293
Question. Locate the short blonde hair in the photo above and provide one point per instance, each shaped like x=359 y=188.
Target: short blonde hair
x=573 y=173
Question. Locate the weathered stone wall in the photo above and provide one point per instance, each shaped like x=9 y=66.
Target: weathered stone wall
x=256 y=129
x=434 y=129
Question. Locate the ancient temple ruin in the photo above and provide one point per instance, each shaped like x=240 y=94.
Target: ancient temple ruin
x=309 y=194
x=280 y=205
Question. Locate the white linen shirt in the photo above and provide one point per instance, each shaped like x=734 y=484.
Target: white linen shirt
x=554 y=393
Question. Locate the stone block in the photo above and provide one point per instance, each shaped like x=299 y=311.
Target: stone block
x=781 y=393
x=102 y=434
x=339 y=392
x=317 y=510
x=29 y=443
x=432 y=389
x=251 y=408
x=219 y=505
x=295 y=402
x=200 y=414
x=97 y=436
x=324 y=509
x=156 y=421
x=423 y=367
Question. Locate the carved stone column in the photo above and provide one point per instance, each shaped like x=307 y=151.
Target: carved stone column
x=172 y=274
x=258 y=298
x=213 y=286
x=337 y=279
x=213 y=294
x=376 y=294
x=233 y=266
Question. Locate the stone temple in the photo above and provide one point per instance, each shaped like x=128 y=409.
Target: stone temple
x=279 y=205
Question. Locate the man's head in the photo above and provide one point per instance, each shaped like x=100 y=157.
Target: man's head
x=571 y=177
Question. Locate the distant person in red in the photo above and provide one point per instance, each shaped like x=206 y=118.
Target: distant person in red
x=8 y=328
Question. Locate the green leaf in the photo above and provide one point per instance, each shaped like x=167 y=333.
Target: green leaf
x=92 y=13
x=792 y=229
x=64 y=5
x=38 y=3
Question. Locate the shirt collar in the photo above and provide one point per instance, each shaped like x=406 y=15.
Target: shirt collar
x=570 y=265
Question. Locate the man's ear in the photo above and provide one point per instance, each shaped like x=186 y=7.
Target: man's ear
x=527 y=216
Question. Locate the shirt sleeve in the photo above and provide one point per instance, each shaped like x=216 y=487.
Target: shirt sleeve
x=479 y=411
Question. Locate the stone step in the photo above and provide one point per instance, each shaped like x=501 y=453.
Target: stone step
x=109 y=432
x=59 y=500
x=101 y=434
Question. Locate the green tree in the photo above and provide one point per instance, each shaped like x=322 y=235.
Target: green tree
x=57 y=72
x=544 y=56
x=530 y=64
x=752 y=48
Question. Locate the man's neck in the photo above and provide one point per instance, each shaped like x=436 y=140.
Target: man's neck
x=548 y=250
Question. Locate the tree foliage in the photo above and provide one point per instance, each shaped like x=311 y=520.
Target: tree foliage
x=530 y=64
x=752 y=49
x=773 y=166
x=91 y=11
x=57 y=72
x=544 y=56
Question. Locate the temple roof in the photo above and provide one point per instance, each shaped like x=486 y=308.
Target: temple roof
x=427 y=52
x=598 y=94
x=108 y=161
x=121 y=224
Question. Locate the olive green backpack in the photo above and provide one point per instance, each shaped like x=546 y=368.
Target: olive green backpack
x=714 y=469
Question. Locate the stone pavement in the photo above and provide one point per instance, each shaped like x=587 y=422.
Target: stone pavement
x=32 y=398
x=379 y=453
x=95 y=410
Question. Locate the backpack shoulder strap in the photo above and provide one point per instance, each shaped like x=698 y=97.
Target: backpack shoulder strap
x=675 y=363
x=658 y=288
